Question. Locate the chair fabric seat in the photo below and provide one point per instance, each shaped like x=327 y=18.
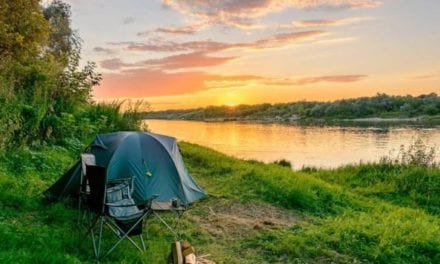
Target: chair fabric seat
x=122 y=210
x=119 y=201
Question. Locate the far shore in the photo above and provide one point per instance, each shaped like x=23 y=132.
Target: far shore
x=392 y=121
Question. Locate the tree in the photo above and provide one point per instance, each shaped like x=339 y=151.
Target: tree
x=40 y=77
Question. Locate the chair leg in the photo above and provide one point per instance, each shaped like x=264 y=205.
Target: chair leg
x=166 y=224
x=90 y=224
x=125 y=236
x=118 y=233
x=146 y=227
x=82 y=218
x=143 y=243
x=94 y=243
x=97 y=237
x=178 y=224
x=100 y=236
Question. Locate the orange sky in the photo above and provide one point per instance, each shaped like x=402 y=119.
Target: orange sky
x=185 y=54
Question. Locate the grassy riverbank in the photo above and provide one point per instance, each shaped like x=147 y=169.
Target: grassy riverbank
x=255 y=213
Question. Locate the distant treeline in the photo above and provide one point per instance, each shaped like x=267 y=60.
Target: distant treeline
x=381 y=105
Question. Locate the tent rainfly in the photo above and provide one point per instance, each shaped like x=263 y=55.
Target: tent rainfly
x=153 y=160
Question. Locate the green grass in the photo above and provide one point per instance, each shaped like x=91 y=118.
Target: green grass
x=370 y=213
x=410 y=186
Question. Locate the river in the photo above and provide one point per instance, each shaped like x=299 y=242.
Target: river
x=317 y=146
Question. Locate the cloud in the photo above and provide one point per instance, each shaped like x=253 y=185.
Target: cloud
x=177 y=30
x=330 y=78
x=422 y=77
x=314 y=79
x=182 y=30
x=334 y=4
x=114 y=64
x=232 y=13
x=188 y=60
x=244 y=14
x=329 y=22
x=181 y=61
x=186 y=30
x=139 y=83
x=197 y=53
x=159 y=45
x=284 y=39
x=277 y=40
x=128 y=20
x=103 y=50
x=143 y=83
x=336 y=40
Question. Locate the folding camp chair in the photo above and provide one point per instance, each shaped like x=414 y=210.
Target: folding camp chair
x=110 y=203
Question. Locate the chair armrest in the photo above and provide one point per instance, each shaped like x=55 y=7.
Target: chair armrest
x=147 y=203
x=119 y=180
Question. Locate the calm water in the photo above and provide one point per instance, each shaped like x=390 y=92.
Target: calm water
x=313 y=146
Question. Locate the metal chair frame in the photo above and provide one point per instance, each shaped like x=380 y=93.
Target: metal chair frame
x=98 y=211
x=156 y=208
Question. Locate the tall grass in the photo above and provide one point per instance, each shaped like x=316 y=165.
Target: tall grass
x=417 y=153
x=382 y=235
x=411 y=177
x=371 y=213
x=358 y=213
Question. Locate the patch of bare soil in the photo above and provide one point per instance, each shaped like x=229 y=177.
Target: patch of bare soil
x=225 y=218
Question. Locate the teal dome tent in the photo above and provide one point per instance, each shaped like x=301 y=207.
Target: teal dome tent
x=153 y=160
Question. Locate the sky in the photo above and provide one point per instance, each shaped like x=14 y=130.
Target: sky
x=178 y=54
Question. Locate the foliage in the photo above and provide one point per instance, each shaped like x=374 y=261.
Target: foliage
x=352 y=215
x=411 y=177
x=381 y=105
x=373 y=213
x=23 y=31
x=283 y=162
x=418 y=154
x=45 y=94
x=367 y=213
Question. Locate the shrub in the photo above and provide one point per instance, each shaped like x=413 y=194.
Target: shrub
x=283 y=163
x=416 y=154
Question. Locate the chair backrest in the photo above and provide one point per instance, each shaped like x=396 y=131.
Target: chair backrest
x=87 y=159
x=97 y=179
x=118 y=190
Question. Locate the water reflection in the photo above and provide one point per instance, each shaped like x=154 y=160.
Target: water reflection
x=302 y=146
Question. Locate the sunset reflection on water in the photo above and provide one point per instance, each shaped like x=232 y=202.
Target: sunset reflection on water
x=301 y=145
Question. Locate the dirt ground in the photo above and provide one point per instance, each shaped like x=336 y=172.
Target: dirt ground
x=225 y=218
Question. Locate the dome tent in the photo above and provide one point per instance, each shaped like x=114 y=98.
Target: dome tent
x=153 y=160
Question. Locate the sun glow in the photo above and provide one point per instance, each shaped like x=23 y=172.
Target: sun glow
x=231 y=99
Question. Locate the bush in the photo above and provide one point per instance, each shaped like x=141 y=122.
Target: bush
x=416 y=154
x=283 y=163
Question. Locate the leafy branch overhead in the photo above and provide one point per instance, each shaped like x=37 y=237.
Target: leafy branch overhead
x=44 y=92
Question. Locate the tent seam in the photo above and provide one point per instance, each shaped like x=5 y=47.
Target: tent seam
x=174 y=162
